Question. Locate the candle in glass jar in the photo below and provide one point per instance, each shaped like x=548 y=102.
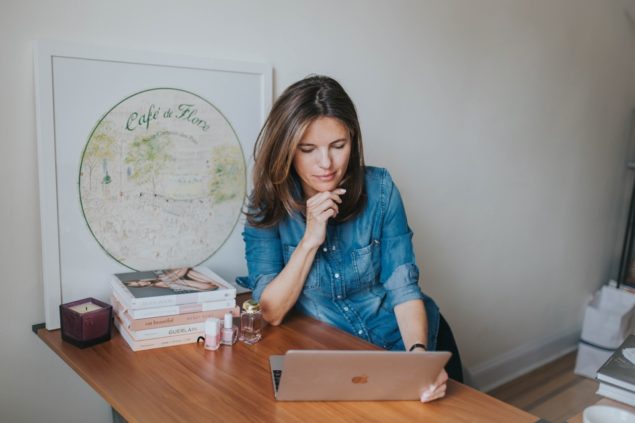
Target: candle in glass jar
x=85 y=322
x=85 y=307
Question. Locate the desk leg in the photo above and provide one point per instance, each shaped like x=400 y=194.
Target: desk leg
x=116 y=417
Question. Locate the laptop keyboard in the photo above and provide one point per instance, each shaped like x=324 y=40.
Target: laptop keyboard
x=276 y=378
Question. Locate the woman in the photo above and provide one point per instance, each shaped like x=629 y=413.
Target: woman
x=328 y=235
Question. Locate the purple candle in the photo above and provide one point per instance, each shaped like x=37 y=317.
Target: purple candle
x=86 y=322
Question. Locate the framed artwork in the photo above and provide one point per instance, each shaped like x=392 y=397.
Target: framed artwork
x=144 y=163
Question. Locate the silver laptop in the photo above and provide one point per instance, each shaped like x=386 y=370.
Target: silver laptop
x=329 y=375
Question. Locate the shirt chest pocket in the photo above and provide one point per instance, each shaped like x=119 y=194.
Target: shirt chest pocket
x=367 y=264
x=313 y=278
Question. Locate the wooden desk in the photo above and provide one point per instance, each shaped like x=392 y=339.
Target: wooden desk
x=190 y=384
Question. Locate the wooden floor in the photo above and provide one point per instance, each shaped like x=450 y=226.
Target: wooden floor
x=552 y=392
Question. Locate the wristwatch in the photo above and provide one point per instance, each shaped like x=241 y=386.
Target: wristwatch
x=418 y=345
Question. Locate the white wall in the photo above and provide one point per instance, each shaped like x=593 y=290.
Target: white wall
x=504 y=123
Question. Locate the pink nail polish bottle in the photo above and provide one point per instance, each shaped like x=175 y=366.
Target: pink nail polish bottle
x=212 y=334
x=230 y=332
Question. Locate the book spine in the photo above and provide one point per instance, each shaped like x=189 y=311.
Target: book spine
x=180 y=309
x=179 y=299
x=175 y=319
x=153 y=343
x=193 y=329
x=146 y=313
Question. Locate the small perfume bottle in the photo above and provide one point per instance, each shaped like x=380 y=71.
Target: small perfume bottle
x=230 y=332
x=251 y=322
x=212 y=334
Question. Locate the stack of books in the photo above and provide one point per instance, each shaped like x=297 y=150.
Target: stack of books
x=617 y=375
x=168 y=307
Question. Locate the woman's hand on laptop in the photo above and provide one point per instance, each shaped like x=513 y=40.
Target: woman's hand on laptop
x=436 y=390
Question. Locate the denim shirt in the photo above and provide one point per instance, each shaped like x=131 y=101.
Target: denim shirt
x=364 y=268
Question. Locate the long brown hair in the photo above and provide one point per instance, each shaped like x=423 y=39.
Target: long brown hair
x=276 y=188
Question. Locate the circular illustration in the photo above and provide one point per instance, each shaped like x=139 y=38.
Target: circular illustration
x=162 y=180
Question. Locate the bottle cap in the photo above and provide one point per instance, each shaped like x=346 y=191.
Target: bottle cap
x=211 y=326
x=229 y=321
x=251 y=306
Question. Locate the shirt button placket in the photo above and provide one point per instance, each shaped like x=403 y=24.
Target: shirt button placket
x=339 y=286
x=338 y=283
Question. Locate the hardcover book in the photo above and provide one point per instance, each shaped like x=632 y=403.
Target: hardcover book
x=158 y=288
x=143 y=313
x=190 y=329
x=171 y=320
x=618 y=394
x=167 y=341
x=618 y=370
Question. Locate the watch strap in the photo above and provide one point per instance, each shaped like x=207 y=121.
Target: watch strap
x=418 y=345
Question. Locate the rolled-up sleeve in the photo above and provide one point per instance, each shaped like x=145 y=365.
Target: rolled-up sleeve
x=263 y=252
x=399 y=272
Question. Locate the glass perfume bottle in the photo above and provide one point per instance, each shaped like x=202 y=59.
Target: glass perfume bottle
x=251 y=322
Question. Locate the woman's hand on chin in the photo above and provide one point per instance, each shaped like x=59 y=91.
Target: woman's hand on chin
x=319 y=209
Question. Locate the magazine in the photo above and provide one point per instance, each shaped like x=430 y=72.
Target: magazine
x=151 y=289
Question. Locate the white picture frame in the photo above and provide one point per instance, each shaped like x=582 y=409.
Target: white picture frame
x=74 y=86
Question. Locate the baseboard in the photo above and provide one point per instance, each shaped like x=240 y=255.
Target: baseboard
x=519 y=361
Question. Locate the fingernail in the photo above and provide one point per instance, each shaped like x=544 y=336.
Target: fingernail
x=342 y=191
x=425 y=396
